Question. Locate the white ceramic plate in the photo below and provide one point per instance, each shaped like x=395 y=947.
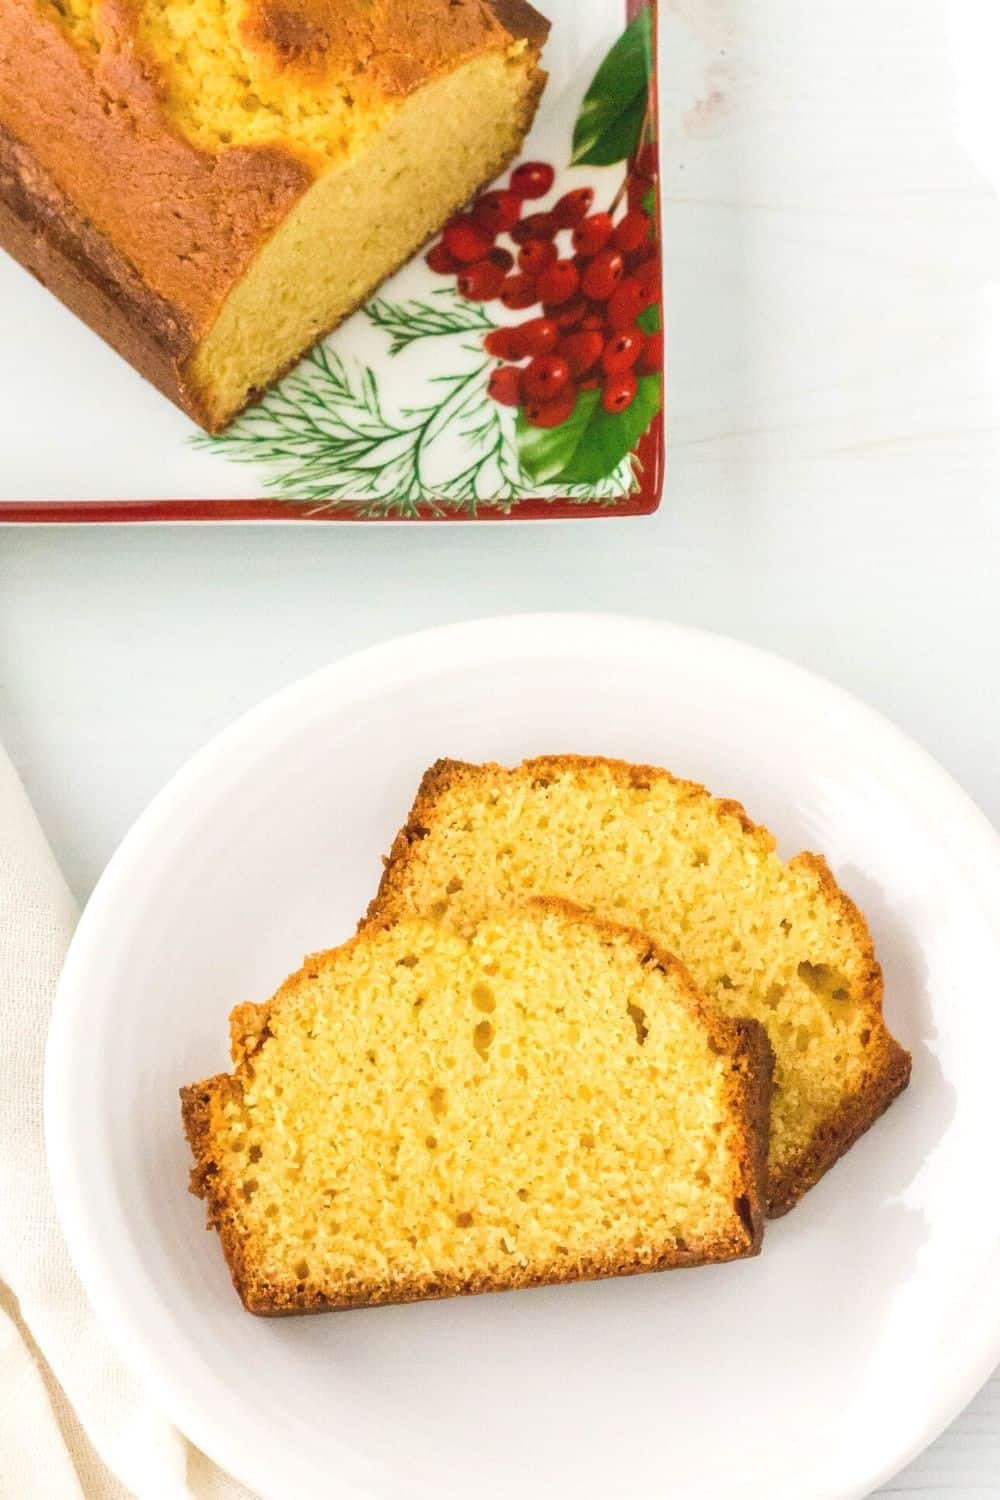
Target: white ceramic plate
x=812 y=1373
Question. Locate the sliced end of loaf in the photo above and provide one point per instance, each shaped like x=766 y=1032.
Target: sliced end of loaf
x=361 y=220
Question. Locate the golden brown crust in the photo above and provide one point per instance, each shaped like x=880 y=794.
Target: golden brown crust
x=197 y=1105
x=274 y=1302
x=887 y=1076
x=519 y=19
x=41 y=228
x=836 y=1135
x=402 y=44
x=641 y=776
x=753 y=1079
x=748 y=1098
x=135 y=229
x=889 y=1069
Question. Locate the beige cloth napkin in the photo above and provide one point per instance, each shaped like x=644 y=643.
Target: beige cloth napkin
x=73 y=1423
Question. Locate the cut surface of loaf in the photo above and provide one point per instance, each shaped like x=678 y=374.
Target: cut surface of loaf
x=420 y=1114
x=214 y=184
x=777 y=942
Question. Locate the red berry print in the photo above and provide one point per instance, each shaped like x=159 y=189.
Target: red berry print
x=466 y=240
x=519 y=292
x=573 y=207
x=532 y=179
x=647 y=278
x=633 y=232
x=537 y=336
x=585 y=336
x=603 y=274
x=497 y=212
x=625 y=304
x=441 y=260
x=651 y=358
x=619 y=391
x=559 y=283
x=568 y=315
x=592 y=234
x=503 y=343
x=481 y=282
x=621 y=351
x=551 y=413
x=505 y=385
x=581 y=351
x=534 y=227
x=536 y=256
x=545 y=378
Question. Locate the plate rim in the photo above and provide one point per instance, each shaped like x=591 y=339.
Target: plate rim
x=976 y=844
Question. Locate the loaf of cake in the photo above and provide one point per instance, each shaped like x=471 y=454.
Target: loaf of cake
x=215 y=184
x=777 y=942
x=419 y=1113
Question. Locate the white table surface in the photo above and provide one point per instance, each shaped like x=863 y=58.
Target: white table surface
x=833 y=235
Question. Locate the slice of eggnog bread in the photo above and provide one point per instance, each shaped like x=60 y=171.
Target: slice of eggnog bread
x=422 y=1113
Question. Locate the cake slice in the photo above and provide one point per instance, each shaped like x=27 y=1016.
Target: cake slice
x=214 y=187
x=419 y=1114
x=777 y=942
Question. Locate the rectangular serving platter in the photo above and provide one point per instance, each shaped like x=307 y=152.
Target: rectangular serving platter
x=390 y=417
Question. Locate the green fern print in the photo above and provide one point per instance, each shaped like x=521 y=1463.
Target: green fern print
x=327 y=438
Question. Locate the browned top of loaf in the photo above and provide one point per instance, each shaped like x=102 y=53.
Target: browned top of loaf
x=401 y=43
x=189 y=220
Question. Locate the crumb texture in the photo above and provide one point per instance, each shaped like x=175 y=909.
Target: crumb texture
x=421 y=1113
x=773 y=941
